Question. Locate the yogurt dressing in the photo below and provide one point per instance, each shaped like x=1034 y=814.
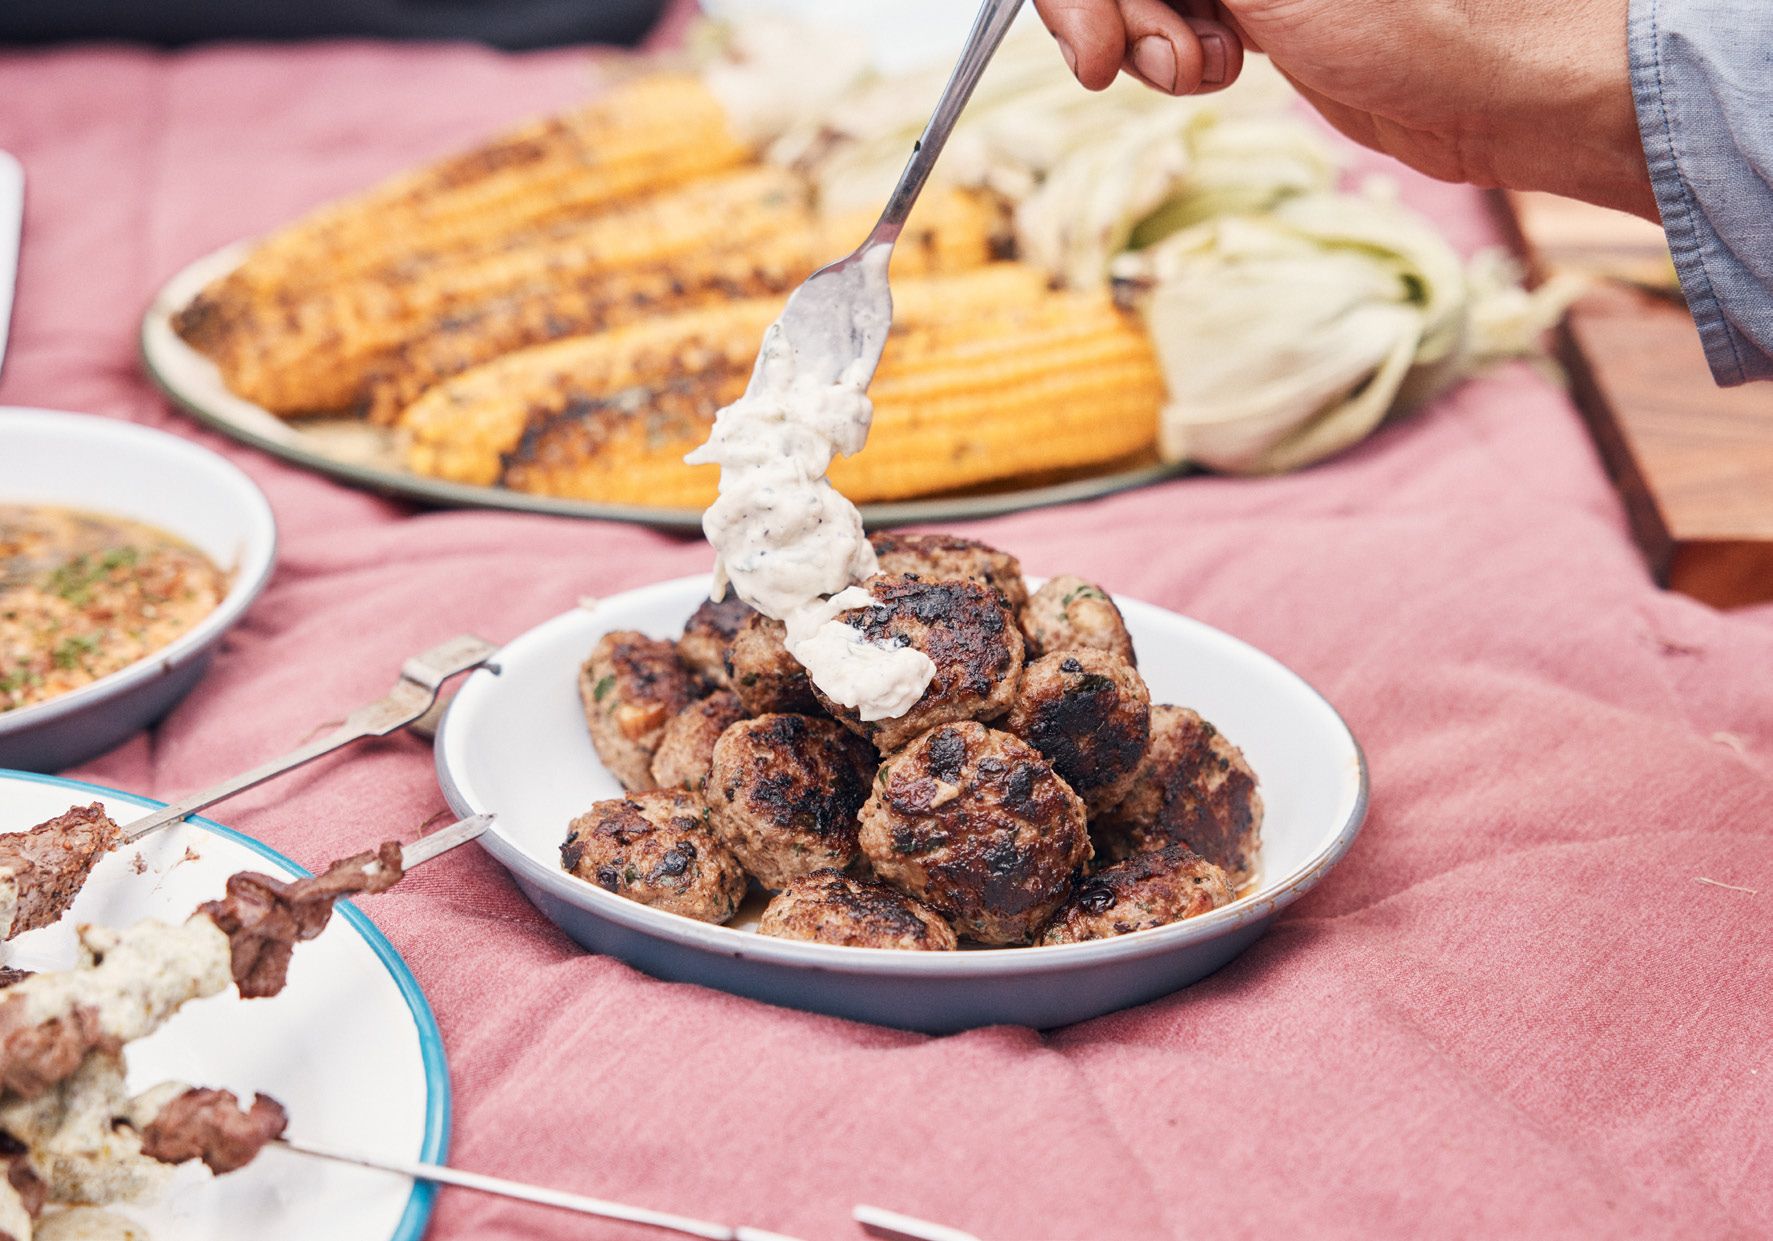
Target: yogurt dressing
x=785 y=539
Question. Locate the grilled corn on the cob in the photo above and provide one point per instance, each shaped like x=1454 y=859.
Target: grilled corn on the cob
x=949 y=231
x=643 y=135
x=987 y=375
x=316 y=351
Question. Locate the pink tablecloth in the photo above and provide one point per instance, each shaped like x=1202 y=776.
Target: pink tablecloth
x=1513 y=1008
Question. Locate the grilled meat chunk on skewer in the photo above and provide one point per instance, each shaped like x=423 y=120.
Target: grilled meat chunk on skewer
x=784 y=791
x=656 y=848
x=975 y=823
x=969 y=634
x=1090 y=714
x=42 y=870
x=1146 y=890
x=631 y=687
x=830 y=907
x=1193 y=788
x=264 y=918
x=1069 y=612
x=210 y=1125
x=946 y=557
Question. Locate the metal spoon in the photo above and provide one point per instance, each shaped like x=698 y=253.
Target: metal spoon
x=842 y=313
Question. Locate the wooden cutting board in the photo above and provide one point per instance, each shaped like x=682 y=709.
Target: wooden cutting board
x=1693 y=461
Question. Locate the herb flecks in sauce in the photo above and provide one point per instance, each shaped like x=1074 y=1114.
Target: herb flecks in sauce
x=83 y=595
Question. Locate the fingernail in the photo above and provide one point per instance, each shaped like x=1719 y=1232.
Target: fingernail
x=1155 y=60
x=1070 y=56
x=1212 y=60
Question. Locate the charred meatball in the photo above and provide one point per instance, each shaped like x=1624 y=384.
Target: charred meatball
x=829 y=907
x=708 y=633
x=686 y=747
x=764 y=675
x=946 y=557
x=1090 y=714
x=631 y=687
x=784 y=791
x=656 y=848
x=1193 y=788
x=1069 y=612
x=975 y=823
x=968 y=633
x=1146 y=890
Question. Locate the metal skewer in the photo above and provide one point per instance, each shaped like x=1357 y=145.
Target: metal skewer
x=421 y=677
x=442 y=841
x=578 y=1203
x=891 y=1226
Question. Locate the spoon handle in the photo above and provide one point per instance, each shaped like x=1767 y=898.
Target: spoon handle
x=988 y=31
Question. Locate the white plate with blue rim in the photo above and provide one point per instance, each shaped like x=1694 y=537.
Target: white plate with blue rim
x=515 y=744
x=106 y=465
x=350 y=1046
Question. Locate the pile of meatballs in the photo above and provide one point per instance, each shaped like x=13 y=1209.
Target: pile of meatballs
x=1033 y=795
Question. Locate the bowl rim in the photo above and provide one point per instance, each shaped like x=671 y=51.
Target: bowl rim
x=973 y=963
x=259 y=559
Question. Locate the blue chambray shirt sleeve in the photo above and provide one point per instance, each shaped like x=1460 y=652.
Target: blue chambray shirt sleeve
x=1702 y=75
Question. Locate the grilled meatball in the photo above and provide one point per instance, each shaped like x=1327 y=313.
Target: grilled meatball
x=784 y=791
x=631 y=687
x=1069 y=612
x=945 y=557
x=1146 y=890
x=708 y=633
x=686 y=747
x=974 y=823
x=1193 y=788
x=762 y=672
x=1090 y=714
x=656 y=848
x=829 y=907
x=965 y=629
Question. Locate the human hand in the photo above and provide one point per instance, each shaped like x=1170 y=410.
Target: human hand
x=1494 y=92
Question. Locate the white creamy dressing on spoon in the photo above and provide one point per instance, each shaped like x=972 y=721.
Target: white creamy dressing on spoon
x=788 y=541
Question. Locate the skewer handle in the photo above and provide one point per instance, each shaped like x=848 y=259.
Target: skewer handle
x=577 y=1203
x=421 y=677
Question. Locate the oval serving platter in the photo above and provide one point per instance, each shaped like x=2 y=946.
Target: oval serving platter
x=354 y=452
x=514 y=743
x=350 y=1047
x=83 y=461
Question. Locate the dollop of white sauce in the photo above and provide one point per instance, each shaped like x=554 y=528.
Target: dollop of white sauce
x=786 y=540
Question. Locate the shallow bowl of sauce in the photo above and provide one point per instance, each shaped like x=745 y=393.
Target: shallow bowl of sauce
x=126 y=555
x=514 y=743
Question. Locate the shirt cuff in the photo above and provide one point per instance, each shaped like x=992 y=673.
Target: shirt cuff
x=1700 y=176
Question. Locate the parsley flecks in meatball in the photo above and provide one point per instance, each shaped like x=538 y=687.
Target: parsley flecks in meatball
x=829 y=907
x=686 y=746
x=945 y=557
x=631 y=687
x=1146 y=890
x=1069 y=612
x=1090 y=714
x=764 y=675
x=784 y=791
x=655 y=848
x=967 y=632
x=1194 y=788
x=709 y=633
x=975 y=824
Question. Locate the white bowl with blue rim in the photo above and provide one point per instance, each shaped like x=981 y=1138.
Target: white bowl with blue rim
x=350 y=1046
x=106 y=465
x=514 y=743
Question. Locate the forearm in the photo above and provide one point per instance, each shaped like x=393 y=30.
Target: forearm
x=1702 y=73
